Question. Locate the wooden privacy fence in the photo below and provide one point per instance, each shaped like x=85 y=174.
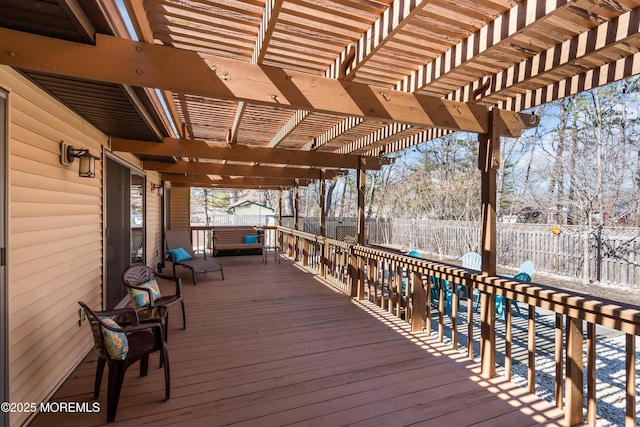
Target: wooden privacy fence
x=405 y=287
x=609 y=255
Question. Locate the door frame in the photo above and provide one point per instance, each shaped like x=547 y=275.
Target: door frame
x=4 y=283
x=132 y=170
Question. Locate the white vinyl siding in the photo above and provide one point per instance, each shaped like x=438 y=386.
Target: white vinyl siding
x=180 y=208
x=55 y=241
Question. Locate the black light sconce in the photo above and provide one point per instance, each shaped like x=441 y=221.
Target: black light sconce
x=87 y=167
x=160 y=187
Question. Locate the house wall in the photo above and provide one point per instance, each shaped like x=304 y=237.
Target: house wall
x=55 y=241
x=180 y=208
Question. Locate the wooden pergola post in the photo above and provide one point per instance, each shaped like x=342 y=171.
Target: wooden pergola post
x=574 y=385
x=280 y=237
x=323 y=226
x=296 y=205
x=488 y=162
x=357 y=265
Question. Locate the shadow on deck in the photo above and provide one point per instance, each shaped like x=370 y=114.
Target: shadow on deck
x=271 y=345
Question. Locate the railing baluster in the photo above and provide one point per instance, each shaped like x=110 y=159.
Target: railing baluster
x=591 y=374
x=454 y=316
x=408 y=289
x=508 y=335
x=630 y=418
x=397 y=286
x=441 y=297
x=469 y=321
x=376 y=282
x=428 y=305
x=558 y=356
x=531 y=348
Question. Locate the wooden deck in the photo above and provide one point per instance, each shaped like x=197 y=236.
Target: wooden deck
x=271 y=345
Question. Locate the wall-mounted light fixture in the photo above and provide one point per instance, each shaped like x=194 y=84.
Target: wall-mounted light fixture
x=87 y=167
x=159 y=187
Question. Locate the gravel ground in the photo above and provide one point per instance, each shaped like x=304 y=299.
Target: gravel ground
x=610 y=380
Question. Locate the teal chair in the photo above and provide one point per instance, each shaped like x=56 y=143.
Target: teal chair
x=412 y=253
x=500 y=305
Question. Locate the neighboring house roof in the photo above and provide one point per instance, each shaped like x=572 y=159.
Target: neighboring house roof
x=247 y=203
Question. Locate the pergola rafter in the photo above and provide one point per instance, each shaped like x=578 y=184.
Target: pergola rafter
x=611 y=40
x=268 y=23
x=508 y=32
x=392 y=21
x=337 y=130
x=353 y=57
x=294 y=121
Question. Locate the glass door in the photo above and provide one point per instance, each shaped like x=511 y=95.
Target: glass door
x=125 y=226
x=137 y=219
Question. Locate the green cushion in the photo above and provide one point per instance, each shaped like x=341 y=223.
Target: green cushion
x=250 y=239
x=115 y=342
x=140 y=298
x=179 y=254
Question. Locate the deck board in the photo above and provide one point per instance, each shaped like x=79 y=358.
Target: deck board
x=271 y=345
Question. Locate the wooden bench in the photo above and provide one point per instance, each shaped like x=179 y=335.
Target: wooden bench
x=232 y=238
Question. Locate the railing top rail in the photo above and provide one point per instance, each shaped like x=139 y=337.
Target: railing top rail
x=303 y=234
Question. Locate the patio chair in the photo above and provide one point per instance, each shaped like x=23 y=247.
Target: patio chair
x=472 y=261
x=500 y=306
x=145 y=294
x=527 y=267
x=180 y=252
x=121 y=346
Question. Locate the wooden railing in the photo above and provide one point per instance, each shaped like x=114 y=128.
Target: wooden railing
x=406 y=287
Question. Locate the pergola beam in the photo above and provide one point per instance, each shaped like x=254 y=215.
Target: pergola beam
x=229 y=187
x=232 y=182
x=123 y=61
x=171 y=147
x=258 y=171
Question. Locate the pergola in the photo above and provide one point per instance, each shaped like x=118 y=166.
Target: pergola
x=271 y=94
